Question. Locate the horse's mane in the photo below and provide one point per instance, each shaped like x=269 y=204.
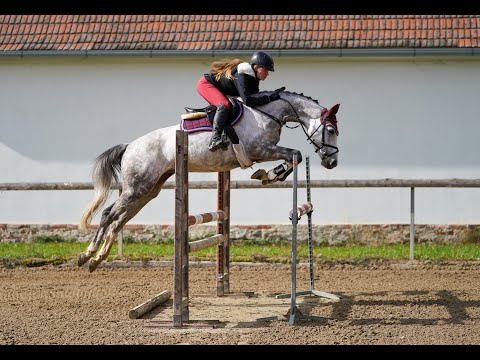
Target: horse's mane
x=292 y=93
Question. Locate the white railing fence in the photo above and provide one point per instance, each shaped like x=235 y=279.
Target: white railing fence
x=246 y=184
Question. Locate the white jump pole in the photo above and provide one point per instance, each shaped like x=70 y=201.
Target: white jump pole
x=150 y=304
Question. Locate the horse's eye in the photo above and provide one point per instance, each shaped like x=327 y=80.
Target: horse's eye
x=330 y=129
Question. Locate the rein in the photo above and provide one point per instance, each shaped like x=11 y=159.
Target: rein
x=271 y=116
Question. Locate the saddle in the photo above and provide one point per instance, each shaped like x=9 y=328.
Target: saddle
x=208 y=111
x=193 y=114
x=201 y=119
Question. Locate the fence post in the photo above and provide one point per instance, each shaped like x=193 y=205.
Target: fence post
x=412 y=223
x=120 y=239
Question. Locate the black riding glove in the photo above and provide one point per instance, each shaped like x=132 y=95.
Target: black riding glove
x=274 y=96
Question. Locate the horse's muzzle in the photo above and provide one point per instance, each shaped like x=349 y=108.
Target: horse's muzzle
x=329 y=163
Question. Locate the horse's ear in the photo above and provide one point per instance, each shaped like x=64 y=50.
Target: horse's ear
x=333 y=110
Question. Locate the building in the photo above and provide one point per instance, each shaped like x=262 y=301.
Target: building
x=74 y=85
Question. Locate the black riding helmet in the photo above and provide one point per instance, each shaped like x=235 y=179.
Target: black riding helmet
x=263 y=59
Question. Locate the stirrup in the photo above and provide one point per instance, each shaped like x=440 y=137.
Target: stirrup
x=213 y=147
x=224 y=142
x=214 y=144
x=220 y=144
x=224 y=145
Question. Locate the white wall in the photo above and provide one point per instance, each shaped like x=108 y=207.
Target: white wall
x=397 y=119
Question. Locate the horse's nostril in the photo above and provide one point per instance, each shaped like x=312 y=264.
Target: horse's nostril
x=332 y=162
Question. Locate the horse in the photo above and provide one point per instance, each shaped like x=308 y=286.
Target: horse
x=147 y=162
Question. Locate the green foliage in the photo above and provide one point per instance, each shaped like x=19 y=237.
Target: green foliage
x=54 y=250
x=166 y=241
x=128 y=239
x=44 y=239
x=7 y=263
x=472 y=236
x=264 y=242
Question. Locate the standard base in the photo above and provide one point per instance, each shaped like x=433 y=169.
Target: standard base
x=310 y=292
x=214 y=324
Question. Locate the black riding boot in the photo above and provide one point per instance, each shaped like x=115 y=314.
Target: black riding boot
x=219 y=121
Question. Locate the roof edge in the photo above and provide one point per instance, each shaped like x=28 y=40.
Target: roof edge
x=321 y=53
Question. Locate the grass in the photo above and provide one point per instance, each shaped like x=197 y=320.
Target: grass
x=54 y=250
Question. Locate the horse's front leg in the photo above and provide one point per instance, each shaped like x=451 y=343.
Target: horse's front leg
x=280 y=172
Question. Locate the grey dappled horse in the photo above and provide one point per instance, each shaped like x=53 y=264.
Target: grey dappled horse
x=147 y=162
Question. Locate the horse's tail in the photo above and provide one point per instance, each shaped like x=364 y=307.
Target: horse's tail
x=105 y=170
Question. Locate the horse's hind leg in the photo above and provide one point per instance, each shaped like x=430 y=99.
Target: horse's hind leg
x=93 y=247
x=117 y=219
x=130 y=202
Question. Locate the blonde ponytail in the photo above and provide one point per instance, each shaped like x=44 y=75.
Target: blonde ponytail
x=224 y=67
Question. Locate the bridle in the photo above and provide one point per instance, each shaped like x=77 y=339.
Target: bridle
x=324 y=120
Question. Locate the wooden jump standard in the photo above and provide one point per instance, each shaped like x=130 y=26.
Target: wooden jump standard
x=182 y=246
x=183 y=220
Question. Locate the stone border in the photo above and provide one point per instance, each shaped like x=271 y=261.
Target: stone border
x=326 y=234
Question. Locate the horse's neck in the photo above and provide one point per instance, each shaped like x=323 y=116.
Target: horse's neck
x=303 y=109
x=272 y=112
x=286 y=110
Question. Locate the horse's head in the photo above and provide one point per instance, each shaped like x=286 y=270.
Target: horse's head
x=318 y=123
x=323 y=133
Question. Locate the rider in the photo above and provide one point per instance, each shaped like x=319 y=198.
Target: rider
x=234 y=78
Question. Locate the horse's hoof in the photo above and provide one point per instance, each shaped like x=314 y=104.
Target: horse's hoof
x=92 y=265
x=260 y=174
x=82 y=259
